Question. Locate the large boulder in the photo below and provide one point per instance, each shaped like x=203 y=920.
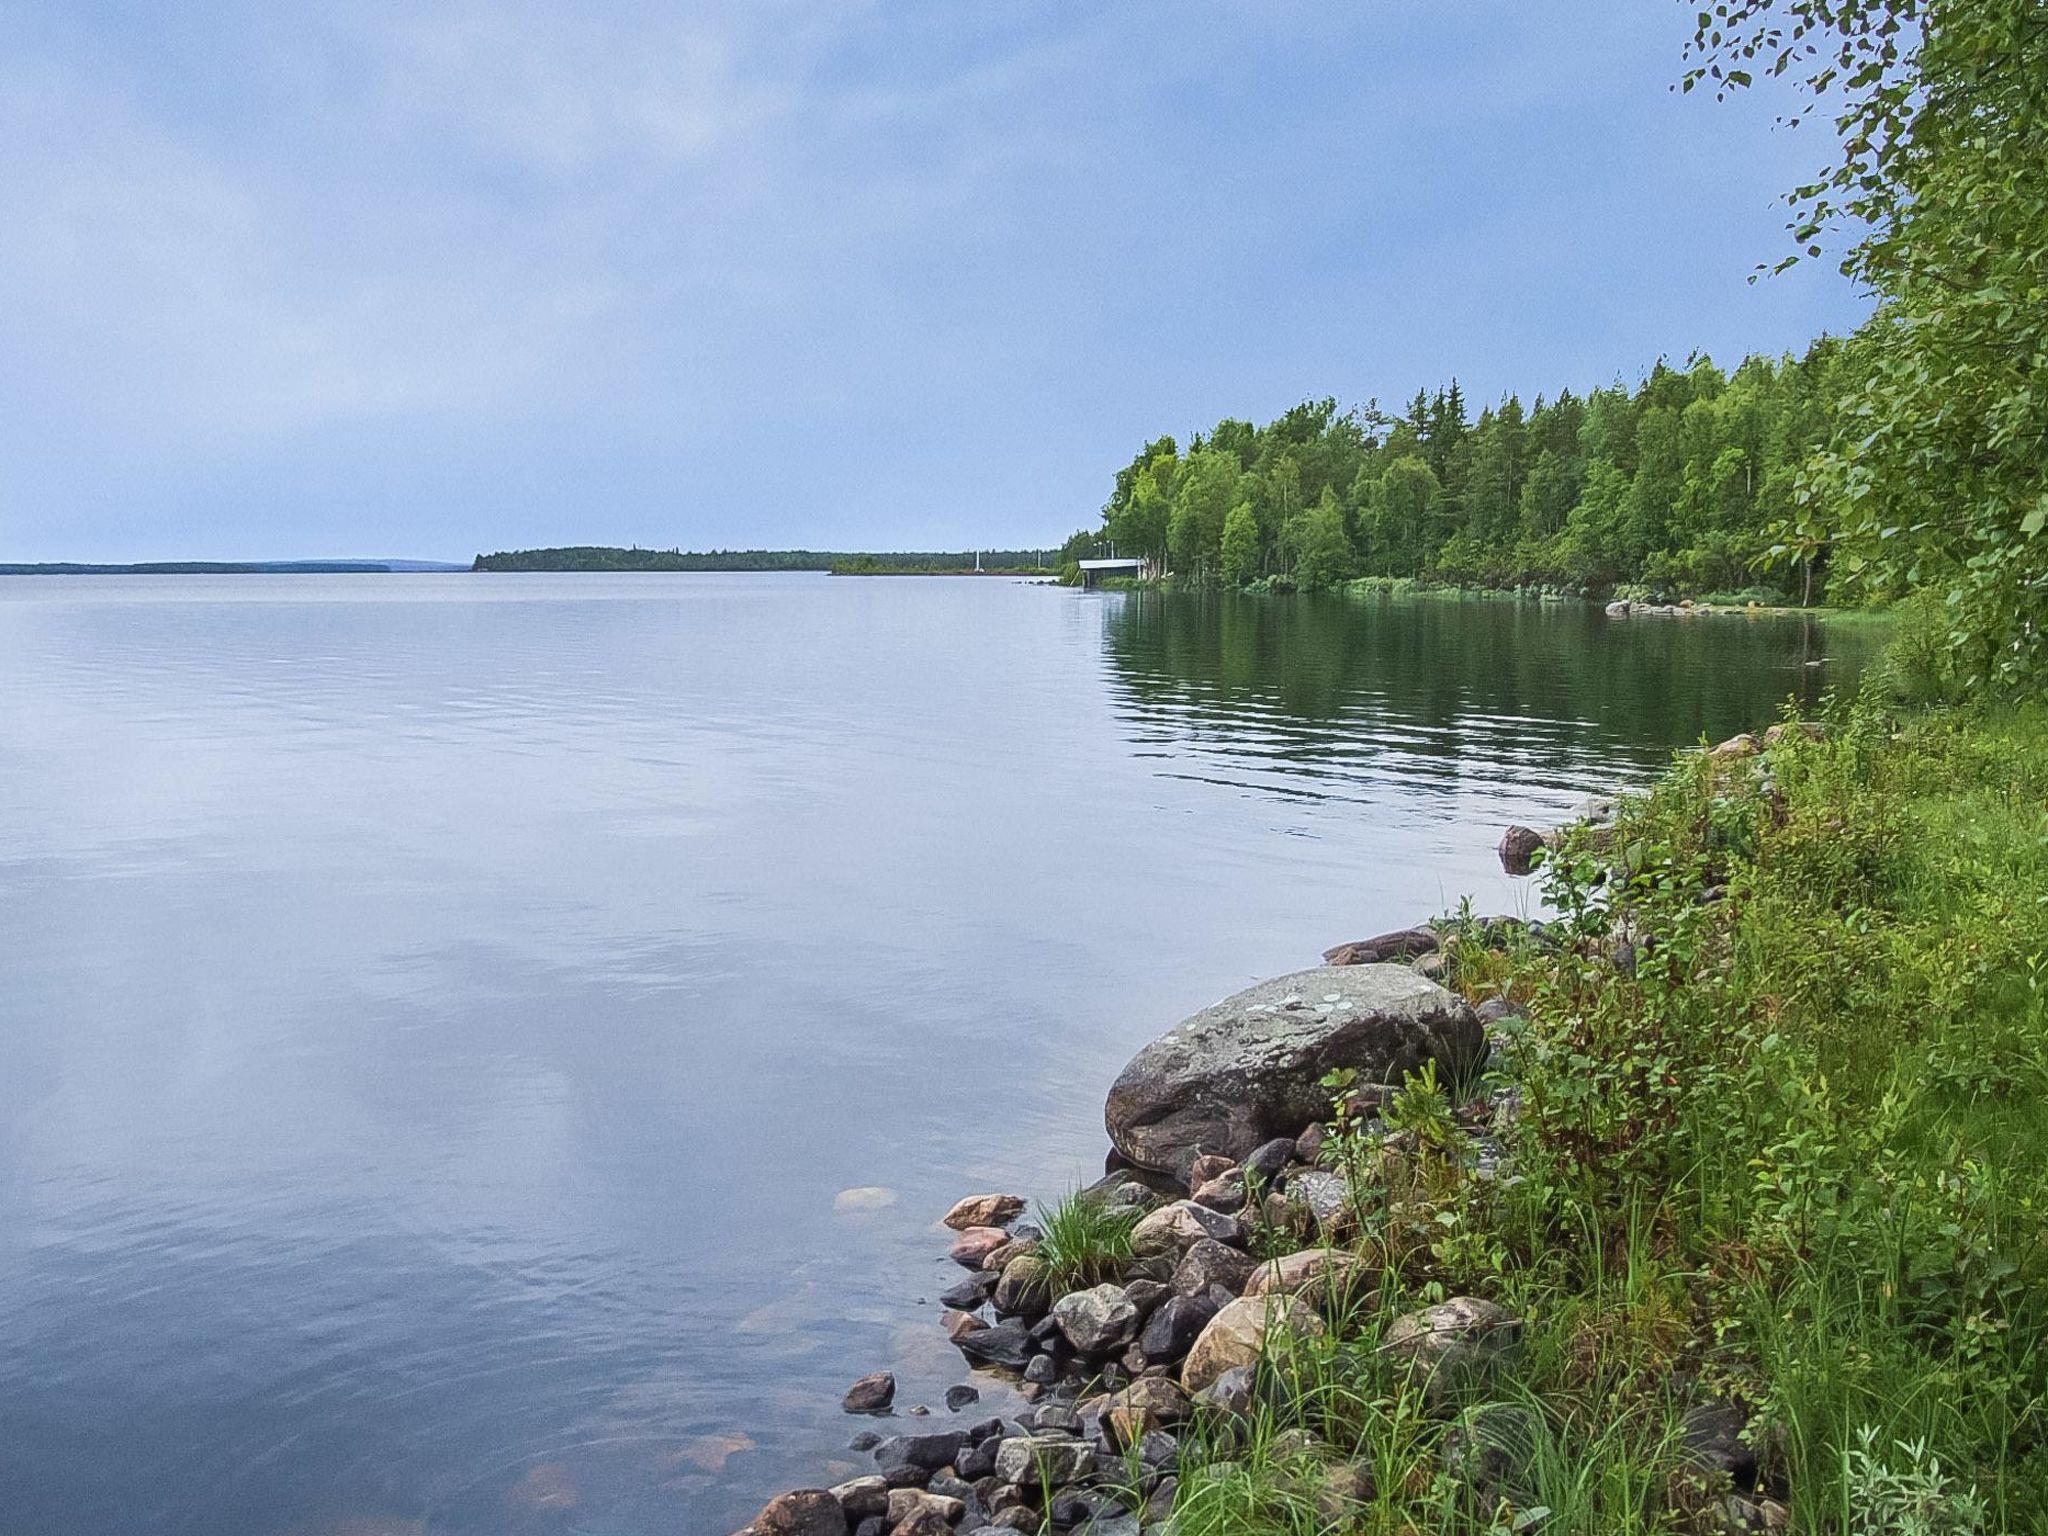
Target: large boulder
x=1237 y=1336
x=1250 y=1068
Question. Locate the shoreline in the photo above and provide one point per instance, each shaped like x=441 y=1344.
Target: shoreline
x=1155 y=1310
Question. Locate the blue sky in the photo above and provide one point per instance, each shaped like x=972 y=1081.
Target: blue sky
x=423 y=278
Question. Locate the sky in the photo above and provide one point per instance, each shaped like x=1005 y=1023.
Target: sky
x=433 y=277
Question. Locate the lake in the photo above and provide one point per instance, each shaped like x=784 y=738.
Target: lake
x=440 y=1016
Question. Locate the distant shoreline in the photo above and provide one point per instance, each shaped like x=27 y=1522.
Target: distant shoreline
x=234 y=568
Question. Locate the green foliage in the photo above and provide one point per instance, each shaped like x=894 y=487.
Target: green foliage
x=1936 y=472
x=1779 y=1096
x=1084 y=1241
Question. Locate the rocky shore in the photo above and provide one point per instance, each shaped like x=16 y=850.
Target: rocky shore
x=1152 y=1310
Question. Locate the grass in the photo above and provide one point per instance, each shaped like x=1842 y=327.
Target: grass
x=1786 y=1152
x=1084 y=1242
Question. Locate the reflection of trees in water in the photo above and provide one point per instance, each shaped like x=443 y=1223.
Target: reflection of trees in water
x=1433 y=671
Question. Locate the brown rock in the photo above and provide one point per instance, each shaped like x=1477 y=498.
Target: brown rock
x=871 y=1394
x=1237 y=1335
x=959 y=1324
x=1519 y=846
x=974 y=1245
x=1210 y=1165
x=806 y=1512
x=1311 y=1274
x=984 y=1211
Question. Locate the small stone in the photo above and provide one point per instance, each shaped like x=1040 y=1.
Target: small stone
x=1268 y=1158
x=984 y=1211
x=806 y=1512
x=874 y=1525
x=1341 y=1489
x=871 y=1394
x=1237 y=1336
x=1210 y=1165
x=974 y=1245
x=1000 y=1258
x=1146 y=1295
x=1744 y=745
x=960 y=1324
x=1712 y=1437
x=1225 y=1193
x=1308 y=1146
x=1096 y=1321
x=1041 y=1372
x=959 y=1396
x=1159 y=1507
x=1058 y=1418
x=866 y=1440
x=1327 y=1196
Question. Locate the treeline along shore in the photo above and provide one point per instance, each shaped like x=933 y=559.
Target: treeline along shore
x=598 y=557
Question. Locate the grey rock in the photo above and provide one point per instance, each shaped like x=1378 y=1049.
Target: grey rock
x=1056 y=1418
x=1325 y=1194
x=873 y=1525
x=1208 y=1263
x=1224 y=1193
x=1034 y=1461
x=1043 y=1370
x=977 y=1460
x=929 y=1451
x=1268 y=1158
x=1250 y=1068
x=1174 y=1327
x=1146 y=1295
x=1007 y=1344
x=866 y=1440
x=1097 y=1321
x=1231 y=1393
x=969 y=1292
x=959 y=1396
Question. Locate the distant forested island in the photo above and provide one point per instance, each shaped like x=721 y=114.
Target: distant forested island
x=1687 y=482
x=599 y=557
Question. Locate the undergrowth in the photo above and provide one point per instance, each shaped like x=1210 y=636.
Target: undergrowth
x=1776 y=1134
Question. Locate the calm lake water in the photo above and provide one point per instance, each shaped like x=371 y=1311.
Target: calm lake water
x=439 y=1015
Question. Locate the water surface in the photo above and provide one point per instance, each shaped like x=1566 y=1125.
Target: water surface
x=439 y=1015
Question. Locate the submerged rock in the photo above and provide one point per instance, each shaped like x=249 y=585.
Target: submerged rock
x=1249 y=1069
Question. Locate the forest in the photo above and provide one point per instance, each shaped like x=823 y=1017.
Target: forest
x=1678 y=485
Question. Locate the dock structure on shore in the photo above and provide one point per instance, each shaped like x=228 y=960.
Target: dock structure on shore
x=1093 y=571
